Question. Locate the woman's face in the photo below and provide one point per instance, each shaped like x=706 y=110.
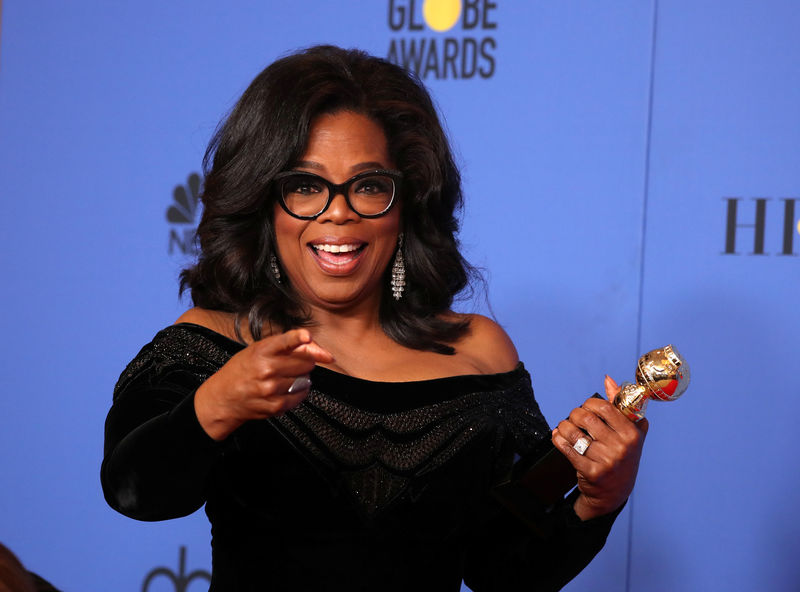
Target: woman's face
x=340 y=145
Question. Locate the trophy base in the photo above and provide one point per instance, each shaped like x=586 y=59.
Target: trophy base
x=533 y=494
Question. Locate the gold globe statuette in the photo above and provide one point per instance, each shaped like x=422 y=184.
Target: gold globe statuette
x=661 y=374
x=541 y=479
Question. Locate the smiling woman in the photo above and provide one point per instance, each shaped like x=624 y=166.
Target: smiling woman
x=276 y=128
x=342 y=425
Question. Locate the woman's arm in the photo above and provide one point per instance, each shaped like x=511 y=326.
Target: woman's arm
x=169 y=422
x=505 y=554
x=157 y=456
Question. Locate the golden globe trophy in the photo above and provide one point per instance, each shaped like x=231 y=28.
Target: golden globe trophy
x=661 y=374
x=542 y=478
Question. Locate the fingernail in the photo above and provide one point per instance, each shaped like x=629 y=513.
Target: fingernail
x=301 y=383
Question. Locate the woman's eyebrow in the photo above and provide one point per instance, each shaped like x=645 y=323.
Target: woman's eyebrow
x=366 y=165
x=311 y=164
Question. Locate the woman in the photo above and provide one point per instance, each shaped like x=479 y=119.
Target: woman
x=342 y=425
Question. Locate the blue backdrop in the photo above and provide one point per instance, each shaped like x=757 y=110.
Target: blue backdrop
x=631 y=177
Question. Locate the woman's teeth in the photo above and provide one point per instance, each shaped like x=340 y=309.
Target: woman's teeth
x=338 y=255
x=336 y=248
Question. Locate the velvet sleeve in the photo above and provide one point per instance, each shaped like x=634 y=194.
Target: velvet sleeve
x=506 y=556
x=157 y=457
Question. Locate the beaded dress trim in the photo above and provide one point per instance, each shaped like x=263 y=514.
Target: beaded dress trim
x=379 y=455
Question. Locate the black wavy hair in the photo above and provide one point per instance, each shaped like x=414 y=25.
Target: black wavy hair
x=266 y=133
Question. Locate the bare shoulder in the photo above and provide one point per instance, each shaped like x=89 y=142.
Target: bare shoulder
x=487 y=345
x=216 y=320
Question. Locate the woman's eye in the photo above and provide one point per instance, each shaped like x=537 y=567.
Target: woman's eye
x=304 y=188
x=374 y=186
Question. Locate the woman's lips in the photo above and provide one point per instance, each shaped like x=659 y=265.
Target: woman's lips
x=338 y=258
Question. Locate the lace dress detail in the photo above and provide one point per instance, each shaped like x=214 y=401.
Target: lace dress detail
x=379 y=454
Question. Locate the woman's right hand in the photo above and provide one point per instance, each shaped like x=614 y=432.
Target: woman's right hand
x=255 y=383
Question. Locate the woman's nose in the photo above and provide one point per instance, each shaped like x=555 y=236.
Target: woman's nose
x=339 y=211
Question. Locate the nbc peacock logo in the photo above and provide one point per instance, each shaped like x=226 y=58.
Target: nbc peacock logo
x=182 y=216
x=444 y=39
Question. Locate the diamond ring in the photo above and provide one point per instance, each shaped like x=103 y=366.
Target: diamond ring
x=582 y=445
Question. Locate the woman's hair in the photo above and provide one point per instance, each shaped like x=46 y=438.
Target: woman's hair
x=267 y=132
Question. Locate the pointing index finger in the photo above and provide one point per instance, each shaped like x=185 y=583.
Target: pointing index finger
x=289 y=341
x=299 y=341
x=315 y=351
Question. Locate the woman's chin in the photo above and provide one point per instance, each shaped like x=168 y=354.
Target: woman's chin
x=341 y=296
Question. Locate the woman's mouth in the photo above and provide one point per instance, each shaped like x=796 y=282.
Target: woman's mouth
x=337 y=257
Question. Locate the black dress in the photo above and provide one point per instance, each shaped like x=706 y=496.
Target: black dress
x=365 y=486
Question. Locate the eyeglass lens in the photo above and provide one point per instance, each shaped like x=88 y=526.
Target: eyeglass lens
x=307 y=195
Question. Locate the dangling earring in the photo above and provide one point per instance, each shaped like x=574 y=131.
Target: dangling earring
x=273 y=266
x=398 y=271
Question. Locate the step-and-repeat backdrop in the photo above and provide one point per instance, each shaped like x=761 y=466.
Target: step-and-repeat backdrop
x=632 y=180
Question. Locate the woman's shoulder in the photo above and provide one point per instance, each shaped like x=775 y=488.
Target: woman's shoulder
x=486 y=345
x=196 y=342
x=217 y=321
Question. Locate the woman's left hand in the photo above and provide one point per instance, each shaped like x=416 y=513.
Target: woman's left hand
x=607 y=469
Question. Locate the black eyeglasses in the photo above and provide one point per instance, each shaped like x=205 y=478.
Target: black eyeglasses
x=370 y=194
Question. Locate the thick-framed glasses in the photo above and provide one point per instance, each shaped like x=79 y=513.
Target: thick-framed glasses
x=370 y=194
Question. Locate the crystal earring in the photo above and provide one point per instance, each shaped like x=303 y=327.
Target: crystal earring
x=273 y=266
x=398 y=271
